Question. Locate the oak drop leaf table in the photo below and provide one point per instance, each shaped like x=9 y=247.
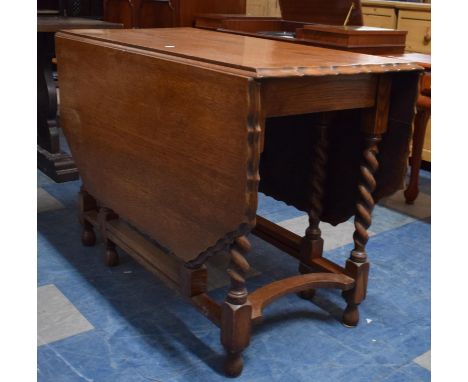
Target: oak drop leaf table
x=175 y=131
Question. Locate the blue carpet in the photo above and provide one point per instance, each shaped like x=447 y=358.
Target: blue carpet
x=145 y=332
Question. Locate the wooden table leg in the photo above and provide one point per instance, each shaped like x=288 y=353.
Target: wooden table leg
x=375 y=123
x=87 y=203
x=312 y=242
x=112 y=257
x=236 y=312
x=55 y=163
x=420 y=124
x=357 y=266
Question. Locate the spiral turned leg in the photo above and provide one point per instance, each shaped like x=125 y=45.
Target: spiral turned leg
x=357 y=265
x=236 y=311
x=312 y=242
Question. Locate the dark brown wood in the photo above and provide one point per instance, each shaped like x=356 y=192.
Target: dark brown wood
x=322 y=23
x=375 y=124
x=361 y=39
x=316 y=22
x=50 y=24
x=208 y=307
x=193 y=282
x=175 y=149
x=291 y=243
x=271 y=292
x=165 y=13
x=72 y=8
x=420 y=122
x=333 y=12
x=190 y=282
x=104 y=215
x=51 y=160
x=306 y=95
x=312 y=242
x=87 y=204
x=280 y=237
x=236 y=312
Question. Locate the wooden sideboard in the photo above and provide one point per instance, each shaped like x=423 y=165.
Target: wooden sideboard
x=165 y=13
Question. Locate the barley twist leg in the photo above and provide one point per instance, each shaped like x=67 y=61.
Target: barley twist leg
x=312 y=242
x=357 y=265
x=236 y=311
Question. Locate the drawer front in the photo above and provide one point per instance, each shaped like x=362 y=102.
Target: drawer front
x=418 y=25
x=380 y=11
x=379 y=17
x=263 y=8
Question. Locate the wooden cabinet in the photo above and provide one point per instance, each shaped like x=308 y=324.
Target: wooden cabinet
x=263 y=8
x=412 y=17
x=165 y=13
x=418 y=25
x=379 y=17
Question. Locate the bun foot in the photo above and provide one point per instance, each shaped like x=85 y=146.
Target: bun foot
x=112 y=257
x=351 y=316
x=88 y=237
x=307 y=294
x=233 y=365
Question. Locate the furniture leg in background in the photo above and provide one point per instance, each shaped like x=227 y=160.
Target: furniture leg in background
x=55 y=163
x=420 y=125
x=51 y=160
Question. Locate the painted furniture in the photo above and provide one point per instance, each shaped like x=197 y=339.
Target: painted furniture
x=51 y=160
x=173 y=154
x=403 y=15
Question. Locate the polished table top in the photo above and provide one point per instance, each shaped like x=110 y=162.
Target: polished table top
x=56 y=23
x=421 y=59
x=259 y=57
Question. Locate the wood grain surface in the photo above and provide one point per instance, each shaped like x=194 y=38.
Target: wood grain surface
x=258 y=57
x=187 y=178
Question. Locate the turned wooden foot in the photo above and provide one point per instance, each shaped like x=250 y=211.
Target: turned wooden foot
x=112 y=257
x=236 y=312
x=88 y=237
x=86 y=203
x=310 y=293
x=105 y=214
x=233 y=365
x=351 y=315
